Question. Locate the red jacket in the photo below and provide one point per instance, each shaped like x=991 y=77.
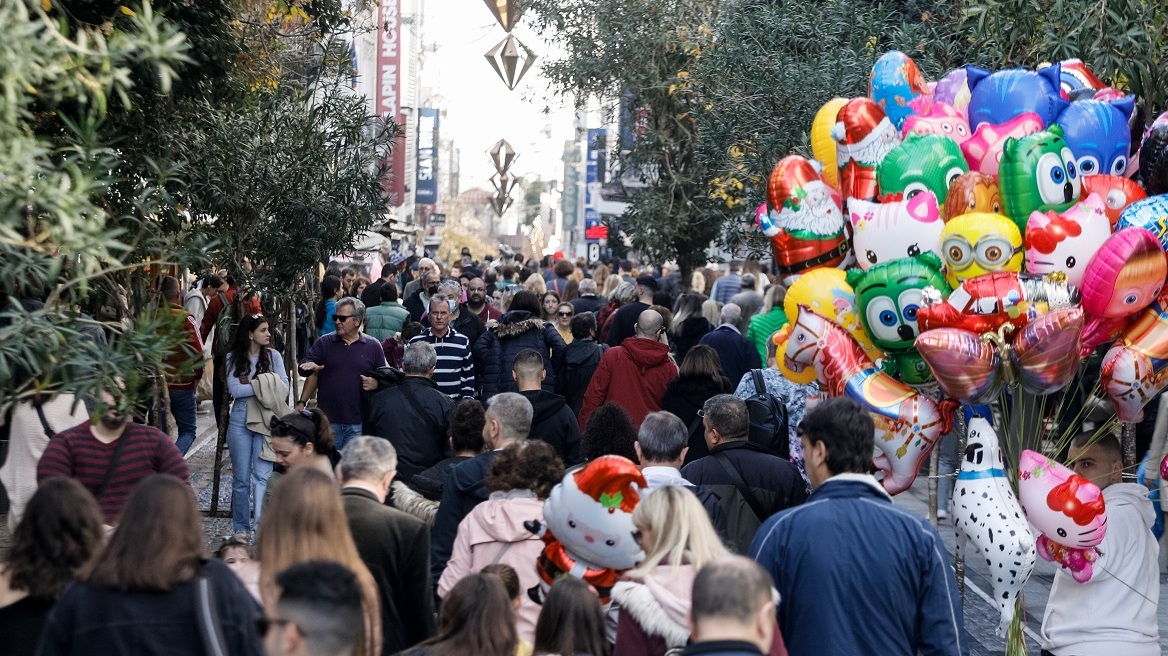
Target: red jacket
x=634 y=376
x=191 y=349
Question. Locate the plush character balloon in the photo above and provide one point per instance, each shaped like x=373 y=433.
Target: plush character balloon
x=1066 y=508
x=1116 y=191
x=1038 y=173
x=1135 y=369
x=827 y=292
x=863 y=135
x=941 y=119
x=1075 y=76
x=1124 y=277
x=823 y=147
x=953 y=91
x=986 y=514
x=888 y=297
x=983 y=304
x=588 y=527
x=882 y=232
x=895 y=81
x=983 y=150
x=908 y=423
x=1097 y=134
x=804 y=224
x=973 y=244
x=998 y=97
x=921 y=162
x=1041 y=356
x=970 y=193
x=1066 y=241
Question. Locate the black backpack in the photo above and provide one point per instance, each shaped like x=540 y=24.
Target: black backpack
x=768 y=419
x=225 y=326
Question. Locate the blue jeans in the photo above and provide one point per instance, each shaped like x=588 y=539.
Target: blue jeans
x=344 y=433
x=184 y=407
x=948 y=463
x=249 y=473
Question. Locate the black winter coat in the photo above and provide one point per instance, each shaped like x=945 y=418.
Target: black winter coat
x=684 y=397
x=465 y=488
x=554 y=422
x=688 y=334
x=580 y=361
x=416 y=425
x=505 y=338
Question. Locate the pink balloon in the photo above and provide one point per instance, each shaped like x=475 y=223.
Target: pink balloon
x=1066 y=508
x=1124 y=277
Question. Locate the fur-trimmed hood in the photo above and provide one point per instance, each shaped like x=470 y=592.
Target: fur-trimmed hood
x=409 y=501
x=515 y=323
x=660 y=603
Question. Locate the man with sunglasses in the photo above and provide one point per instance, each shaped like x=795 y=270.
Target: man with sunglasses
x=338 y=366
x=318 y=612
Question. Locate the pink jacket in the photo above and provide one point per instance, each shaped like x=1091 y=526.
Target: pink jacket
x=494 y=525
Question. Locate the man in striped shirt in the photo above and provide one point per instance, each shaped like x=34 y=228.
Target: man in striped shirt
x=110 y=456
x=454 y=373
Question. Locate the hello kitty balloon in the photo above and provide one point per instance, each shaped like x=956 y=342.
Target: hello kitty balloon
x=1065 y=241
x=882 y=232
x=1066 y=508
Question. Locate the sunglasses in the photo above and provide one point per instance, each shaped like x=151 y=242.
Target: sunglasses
x=563 y=314
x=284 y=428
x=339 y=318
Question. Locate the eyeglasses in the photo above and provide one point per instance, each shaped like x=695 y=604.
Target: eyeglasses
x=265 y=624
x=338 y=318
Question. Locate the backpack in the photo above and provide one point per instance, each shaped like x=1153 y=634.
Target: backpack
x=225 y=327
x=768 y=419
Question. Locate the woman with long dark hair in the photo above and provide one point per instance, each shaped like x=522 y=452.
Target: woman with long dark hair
x=476 y=619
x=688 y=326
x=58 y=535
x=305 y=438
x=571 y=622
x=144 y=593
x=251 y=450
x=331 y=289
x=699 y=378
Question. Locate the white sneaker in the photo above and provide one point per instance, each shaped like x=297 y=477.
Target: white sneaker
x=942 y=515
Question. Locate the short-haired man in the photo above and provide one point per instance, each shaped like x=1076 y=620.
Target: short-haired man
x=737 y=354
x=633 y=375
x=476 y=301
x=318 y=612
x=624 y=320
x=1114 y=612
x=385 y=318
x=588 y=301
x=425 y=266
x=751 y=482
x=552 y=420
x=413 y=415
x=418 y=303
x=186 y=355
x=338 y=365
x=462 y=320
x=732 y=610
x=728 y=285
x=508 y=420
x=661 y=445
x=454 y=375
x=849 y=525
x=580 y=360
x=389 y=270
x=393 y=545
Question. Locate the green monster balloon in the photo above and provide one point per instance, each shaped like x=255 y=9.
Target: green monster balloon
x=922 y=162
x=888 y=296
x=1038 y=173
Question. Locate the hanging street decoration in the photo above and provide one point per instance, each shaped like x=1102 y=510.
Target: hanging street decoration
x=507 y=12
x=503 y=156
x=511 y=60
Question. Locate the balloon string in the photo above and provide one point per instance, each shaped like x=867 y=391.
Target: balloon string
x=1126 y=584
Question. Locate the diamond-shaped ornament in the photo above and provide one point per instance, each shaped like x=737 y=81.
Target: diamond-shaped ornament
x=511 y=60
x=502 y=154
x=507 y=12
x=504 y=183
x=500 y=203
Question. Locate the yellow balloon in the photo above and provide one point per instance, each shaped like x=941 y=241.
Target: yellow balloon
x=827 y=292
x=807 y=375
x=823 y=147
x=977 y=243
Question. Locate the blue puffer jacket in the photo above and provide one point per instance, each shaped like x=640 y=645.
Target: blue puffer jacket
x=858 y=576
x=505 y=338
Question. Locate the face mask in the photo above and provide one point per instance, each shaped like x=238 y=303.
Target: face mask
x=453 y=306
x=433 y=289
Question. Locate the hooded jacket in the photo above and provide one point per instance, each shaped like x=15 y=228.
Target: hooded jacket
x=554 y=422
x=465 y=488
x=684 y=396
x=505 y=338
x=493 y=533
x=1111 y=613
x=580 y=361
x=634 y=376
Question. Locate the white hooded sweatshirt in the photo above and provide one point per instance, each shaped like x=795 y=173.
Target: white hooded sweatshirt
x=1114 y=612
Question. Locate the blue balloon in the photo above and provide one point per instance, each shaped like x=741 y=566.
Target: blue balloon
x=1098 y=135
x=998 y=97
x=1151 y=214
x=895 y=82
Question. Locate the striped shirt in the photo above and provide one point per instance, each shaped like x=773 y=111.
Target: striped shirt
x=454 y=372
x=76 y=453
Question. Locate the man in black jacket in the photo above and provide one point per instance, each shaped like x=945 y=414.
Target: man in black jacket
x=413 y=415
x=752 y=483
x=661 y=446
x=508 y=420
x=552 y=420
x=418 y=303
x=393 y=545
x=588 y=301
x=580 y=360
x=624 y=320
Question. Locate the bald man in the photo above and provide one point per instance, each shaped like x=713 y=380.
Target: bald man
x=633 y=375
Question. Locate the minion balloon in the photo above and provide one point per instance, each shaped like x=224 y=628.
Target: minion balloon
x=977 y=243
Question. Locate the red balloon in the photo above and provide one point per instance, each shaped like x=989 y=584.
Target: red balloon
x=1117 y=193
x=983 y=303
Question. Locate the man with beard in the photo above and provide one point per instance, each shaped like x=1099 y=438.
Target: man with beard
x=110 y=456
x=419 y=302
x=476 y=301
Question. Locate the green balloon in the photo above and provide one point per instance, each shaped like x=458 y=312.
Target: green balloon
x=922 y=162
x=1038 y=173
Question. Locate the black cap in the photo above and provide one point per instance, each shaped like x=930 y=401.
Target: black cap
x=648 y=282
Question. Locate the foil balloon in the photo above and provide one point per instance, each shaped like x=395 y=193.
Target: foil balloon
x=1075 y=76
x=983 y=150
x=1042 y=357
x=986 y=514
x=1164 y=467
x=983 y=304
x=998 y=97
x=882 y=232
x=823 y=147
x=588 y=529
x=1116 y=191
x=1038 y=173
x=888 y=297
x=908 y=423
x=970 y=193
x=953 y=91
x=863 y=135
x=973 y=244
x=1066 y=508
x=1154 y=159
x=827 y=292
x=1065 y=242
x=1123 y=278
x=922 y=162
x=1135 y=369
x=805 y=225
x=1098 y=135
x=894 y=83
x=1151 y=214
x=941 y=119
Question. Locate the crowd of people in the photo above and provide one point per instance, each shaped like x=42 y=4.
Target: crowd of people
x=384 y=507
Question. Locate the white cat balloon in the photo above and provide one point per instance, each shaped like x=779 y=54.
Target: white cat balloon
x=882 y=232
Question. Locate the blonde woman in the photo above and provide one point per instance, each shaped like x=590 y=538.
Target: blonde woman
x=608 y=288
x=712 y=311
x=536 y=284
x=305 y=521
